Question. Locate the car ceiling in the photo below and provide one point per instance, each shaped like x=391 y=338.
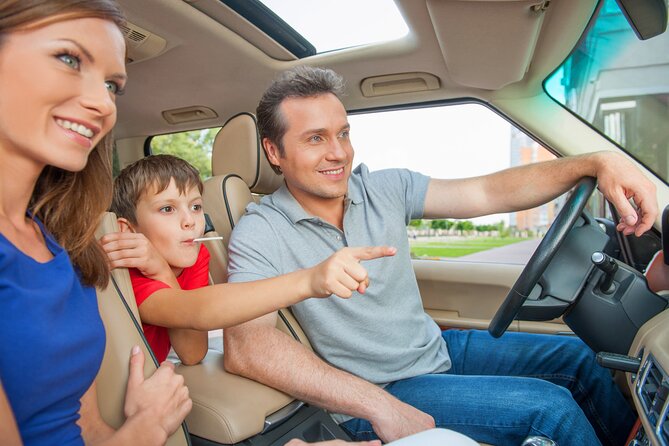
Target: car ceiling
x=213 y=58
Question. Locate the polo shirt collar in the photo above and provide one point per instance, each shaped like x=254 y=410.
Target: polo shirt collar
x=285 y=201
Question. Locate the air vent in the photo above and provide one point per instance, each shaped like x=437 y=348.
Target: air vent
x=141 y=43
x=653 y=392
x=133 y=34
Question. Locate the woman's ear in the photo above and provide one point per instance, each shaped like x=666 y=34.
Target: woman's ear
x=124 y=225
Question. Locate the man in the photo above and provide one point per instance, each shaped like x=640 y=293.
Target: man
x=385 y=363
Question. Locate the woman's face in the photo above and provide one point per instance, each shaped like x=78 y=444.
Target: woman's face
x=58 y=87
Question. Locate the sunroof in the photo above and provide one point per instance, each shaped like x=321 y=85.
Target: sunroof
x=307 y=27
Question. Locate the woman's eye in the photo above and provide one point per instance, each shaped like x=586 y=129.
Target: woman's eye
x=70 y=60
x=114 y=88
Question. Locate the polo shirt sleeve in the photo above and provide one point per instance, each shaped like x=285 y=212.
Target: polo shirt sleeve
x=400 y=187
x=253 y=250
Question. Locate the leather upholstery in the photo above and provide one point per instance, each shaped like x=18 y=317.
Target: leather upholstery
x=120 y=318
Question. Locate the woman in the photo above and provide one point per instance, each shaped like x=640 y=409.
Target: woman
x=61 y=68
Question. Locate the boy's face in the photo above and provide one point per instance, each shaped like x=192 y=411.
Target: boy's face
x=171 y=220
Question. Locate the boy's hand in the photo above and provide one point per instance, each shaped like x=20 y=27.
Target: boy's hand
x=341 y=273
x=134 y=250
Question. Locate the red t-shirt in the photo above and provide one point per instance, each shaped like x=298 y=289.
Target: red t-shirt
x=191 y=278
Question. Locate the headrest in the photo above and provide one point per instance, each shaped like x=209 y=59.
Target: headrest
x=237 y=150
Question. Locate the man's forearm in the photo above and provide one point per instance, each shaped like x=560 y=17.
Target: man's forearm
x=528 y=186
x=508 y=190
x=265 y=354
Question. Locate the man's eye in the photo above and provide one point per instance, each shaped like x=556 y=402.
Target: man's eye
x=70 y=60
x=345 y=134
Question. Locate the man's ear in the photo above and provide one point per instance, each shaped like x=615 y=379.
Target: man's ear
x=272 y=151
x=124 y=225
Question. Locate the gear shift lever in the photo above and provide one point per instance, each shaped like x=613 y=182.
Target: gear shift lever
x=609 y=267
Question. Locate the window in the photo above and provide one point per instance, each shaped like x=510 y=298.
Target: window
x=620 y=85
x=305 y=27
x=193 y=146
x=457 y=141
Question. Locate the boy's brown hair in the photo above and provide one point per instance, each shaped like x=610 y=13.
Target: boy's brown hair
x=152 y=173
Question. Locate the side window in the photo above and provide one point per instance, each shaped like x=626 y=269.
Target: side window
x=193 y=146
x=457 y=141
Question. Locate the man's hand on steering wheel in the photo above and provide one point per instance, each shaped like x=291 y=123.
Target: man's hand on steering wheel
x=619 y=181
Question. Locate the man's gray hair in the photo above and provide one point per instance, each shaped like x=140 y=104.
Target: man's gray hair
x=299 y=82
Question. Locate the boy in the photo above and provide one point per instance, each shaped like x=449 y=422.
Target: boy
x=158 y=203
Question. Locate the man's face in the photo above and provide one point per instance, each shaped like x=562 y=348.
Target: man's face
x=318 y=155
x=171 y=220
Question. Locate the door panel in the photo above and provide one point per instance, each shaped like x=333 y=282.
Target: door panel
x=459 y=294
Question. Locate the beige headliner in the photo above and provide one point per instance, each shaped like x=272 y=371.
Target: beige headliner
x=207 y=64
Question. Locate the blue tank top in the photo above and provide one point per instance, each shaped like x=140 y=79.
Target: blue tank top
x=51 y=343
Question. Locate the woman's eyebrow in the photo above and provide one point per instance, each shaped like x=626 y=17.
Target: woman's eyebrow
x=118 y=76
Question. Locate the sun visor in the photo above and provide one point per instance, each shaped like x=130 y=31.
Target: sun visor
x=487 y=43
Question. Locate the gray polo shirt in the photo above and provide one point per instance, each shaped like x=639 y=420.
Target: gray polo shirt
x=381 y=336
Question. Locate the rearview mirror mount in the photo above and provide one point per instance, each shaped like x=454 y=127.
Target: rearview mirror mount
x=648 y=18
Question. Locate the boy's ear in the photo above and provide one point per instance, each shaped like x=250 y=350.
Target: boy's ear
x=124 y=225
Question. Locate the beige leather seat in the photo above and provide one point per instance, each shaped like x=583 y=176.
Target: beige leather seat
x=227 y=408
x=121 y=320
x=241 y=174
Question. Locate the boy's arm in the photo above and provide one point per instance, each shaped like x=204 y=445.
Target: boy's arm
x=228 y=304
x=134 y=250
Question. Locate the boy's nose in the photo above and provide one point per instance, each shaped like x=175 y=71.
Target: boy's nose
x=187 y=221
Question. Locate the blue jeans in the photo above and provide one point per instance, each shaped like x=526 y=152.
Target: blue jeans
x=499 y=391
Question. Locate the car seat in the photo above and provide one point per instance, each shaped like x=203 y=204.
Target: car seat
x=121 y=320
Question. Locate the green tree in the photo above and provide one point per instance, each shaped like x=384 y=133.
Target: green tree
x=194 y=146
x=416 y=223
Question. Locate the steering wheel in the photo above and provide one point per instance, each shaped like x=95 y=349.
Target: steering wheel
x=543 y=255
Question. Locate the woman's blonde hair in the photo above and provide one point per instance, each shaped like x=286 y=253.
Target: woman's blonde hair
x=70 y=204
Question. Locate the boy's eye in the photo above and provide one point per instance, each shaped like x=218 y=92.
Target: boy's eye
x=70 y=60
x=166 y=209
x=197 y=207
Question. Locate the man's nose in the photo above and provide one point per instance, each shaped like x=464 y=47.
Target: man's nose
x=336 y=150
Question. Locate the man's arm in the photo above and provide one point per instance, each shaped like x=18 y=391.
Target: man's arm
x=259 y=351
x=531 y=185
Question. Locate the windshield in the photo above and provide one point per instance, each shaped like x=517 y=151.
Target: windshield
x=620 y=85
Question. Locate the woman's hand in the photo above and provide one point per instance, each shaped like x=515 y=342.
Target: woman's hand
x=163 y=396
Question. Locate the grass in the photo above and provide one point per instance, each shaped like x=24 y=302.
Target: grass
x=459 y=247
